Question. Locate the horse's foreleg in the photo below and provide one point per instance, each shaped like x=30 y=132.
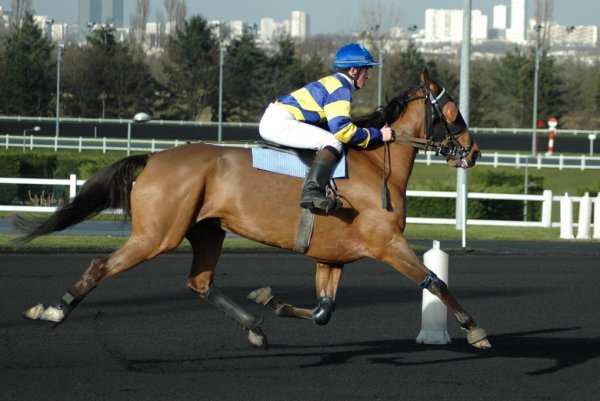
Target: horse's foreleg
x=207 y=242
x=400 y=256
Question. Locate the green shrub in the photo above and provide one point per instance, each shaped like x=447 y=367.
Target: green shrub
x=9 y=167
x=487 y=181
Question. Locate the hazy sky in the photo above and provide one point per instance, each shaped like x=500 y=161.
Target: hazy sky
x=326 y=16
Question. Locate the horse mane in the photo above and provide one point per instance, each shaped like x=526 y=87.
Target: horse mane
x=388 y=113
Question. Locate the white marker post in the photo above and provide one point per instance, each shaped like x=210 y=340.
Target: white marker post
x=434 y=314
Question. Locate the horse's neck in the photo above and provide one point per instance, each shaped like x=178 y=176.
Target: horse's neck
x=400 y=161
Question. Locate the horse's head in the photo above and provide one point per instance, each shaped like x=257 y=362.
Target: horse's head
x=445 y=127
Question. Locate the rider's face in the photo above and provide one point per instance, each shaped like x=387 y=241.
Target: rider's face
x=361 y=76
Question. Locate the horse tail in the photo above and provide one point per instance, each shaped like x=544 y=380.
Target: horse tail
x=109 y=188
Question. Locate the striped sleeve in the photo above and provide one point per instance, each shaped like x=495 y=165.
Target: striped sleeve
x=337 y=110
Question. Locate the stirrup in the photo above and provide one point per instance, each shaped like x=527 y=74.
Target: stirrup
x=314 y=200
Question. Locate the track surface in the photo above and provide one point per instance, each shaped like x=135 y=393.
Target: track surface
x=143 y=336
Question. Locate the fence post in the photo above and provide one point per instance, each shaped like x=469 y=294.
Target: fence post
x=566 y=217
x=547 y=208
x=596 y=234
x=72 y=186
x=585 y=217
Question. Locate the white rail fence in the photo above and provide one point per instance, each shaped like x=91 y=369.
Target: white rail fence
x=586 y=229
x=28 y=143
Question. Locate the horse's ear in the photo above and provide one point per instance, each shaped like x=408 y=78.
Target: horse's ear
x=429 y=82
x=424 y=76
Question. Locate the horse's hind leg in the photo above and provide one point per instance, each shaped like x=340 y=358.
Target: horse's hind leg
x=207 y=242
x=327 y=279
x=136 y=250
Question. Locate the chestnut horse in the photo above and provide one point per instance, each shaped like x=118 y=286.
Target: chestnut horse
x=200 y=191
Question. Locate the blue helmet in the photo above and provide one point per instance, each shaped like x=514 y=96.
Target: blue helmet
x=353 y=55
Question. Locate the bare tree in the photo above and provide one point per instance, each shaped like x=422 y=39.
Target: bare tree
x=377 y=19
x=139 y=20
x=19 y=9
x=176 y=12
x=543 y=17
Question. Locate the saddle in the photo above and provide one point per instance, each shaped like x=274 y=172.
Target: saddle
x=275 y=158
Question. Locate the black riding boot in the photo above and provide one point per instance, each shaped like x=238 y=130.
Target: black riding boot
x=313 y=192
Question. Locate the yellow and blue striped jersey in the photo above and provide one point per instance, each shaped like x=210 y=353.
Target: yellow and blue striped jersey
x=328 y=100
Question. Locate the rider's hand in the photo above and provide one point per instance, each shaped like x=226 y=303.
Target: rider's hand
x=387 y=134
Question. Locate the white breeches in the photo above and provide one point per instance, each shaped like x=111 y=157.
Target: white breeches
x=279 y=126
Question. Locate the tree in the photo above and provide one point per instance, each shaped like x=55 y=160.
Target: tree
x=25 y=78
x=20 y=10
x=247 y=77
x=105 y=79
x=284 y=71
x=405 y=68
x=191 y=68
x=139 y=20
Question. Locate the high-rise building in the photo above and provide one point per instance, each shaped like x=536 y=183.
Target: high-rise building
x=101 y=12
x=516 y=32
x=299 y=25
x=500 y=17
x=267 y=28
x=447 y=25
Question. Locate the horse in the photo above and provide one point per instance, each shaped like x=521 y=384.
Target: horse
x=202 y=191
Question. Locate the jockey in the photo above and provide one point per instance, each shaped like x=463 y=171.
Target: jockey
x=317 y=116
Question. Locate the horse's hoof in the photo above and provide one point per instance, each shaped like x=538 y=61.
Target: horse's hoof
x=38 y=312
x=261 y=295
x=257 y=337
x=35 y=312
x=478 y=338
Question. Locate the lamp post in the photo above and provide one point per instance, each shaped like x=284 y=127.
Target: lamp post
x=536 y=70
x=465 y=103
x=59 y=52
x=25 y=131
x=138 y=118
x=380 y=76
x=222 y=50
x=537 y=28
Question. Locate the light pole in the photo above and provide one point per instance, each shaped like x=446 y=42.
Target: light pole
x=222 y=50
x=138 y=118
x=462 y=178
x=536 y=70
x=25 y=131
x=537 y=28
x=59 y=52
x=380 y=76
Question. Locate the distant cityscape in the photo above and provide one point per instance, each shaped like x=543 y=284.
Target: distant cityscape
x=442 y=31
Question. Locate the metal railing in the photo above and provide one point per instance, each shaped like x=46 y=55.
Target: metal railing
x=496 y=159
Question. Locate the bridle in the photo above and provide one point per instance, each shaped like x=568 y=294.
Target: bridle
x=440 y=133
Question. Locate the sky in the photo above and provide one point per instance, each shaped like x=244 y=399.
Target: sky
x=326 y=16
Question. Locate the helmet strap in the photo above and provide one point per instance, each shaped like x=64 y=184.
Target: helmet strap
x=353 y=78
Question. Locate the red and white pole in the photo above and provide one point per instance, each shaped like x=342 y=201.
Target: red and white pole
x=552 y=123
